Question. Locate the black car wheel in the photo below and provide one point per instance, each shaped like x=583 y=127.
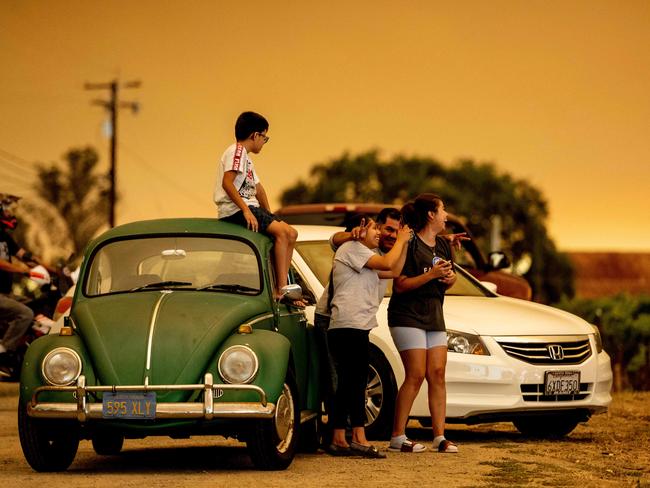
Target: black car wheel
x=381 y=392
x=272 y=443
x=107 y=443
x=547 y=426
x=48 y=445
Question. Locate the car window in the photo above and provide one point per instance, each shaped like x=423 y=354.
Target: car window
x=318 y=256
x=179 y=262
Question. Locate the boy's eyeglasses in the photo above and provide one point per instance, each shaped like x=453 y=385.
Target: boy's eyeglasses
x=266 y=138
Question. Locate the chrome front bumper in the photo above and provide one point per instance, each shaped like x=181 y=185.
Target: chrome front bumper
x=82 y=410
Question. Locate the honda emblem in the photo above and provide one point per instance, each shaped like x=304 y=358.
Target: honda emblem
x=556 y=352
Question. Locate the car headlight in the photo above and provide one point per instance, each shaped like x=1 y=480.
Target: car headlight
x=597 y=339
x=238 y=364
x=61 y=366
x=463 y=343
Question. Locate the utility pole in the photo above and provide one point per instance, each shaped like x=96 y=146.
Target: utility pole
x=112 y=105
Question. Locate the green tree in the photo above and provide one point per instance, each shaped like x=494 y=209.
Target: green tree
x=624 y=323
x=474 y=191
x=75 y=196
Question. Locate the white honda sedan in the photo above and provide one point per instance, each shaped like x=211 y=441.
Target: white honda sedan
x=541 y=368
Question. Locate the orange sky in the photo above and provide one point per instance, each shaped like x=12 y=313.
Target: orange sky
x=553 y=92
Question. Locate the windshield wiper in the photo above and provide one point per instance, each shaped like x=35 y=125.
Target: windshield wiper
x=162 y=284
x=225 y=287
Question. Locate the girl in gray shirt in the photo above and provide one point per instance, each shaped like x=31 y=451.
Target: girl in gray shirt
x=357 y=275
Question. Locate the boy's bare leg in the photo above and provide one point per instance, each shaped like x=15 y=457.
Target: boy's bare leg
x=285 y=240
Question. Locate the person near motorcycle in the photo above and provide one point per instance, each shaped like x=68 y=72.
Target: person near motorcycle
x=15 y=318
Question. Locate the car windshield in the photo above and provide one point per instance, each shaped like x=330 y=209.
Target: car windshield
x=174 y=262
x=318 y=256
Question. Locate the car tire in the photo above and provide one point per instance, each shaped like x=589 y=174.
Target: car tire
x=272 y=443
x=381 y=392
x=107 y=443
x=546 y=426
x=48 y=445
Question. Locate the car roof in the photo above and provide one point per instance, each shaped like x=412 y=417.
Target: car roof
x=345 y=207
x=181 y=226
x=316 y=232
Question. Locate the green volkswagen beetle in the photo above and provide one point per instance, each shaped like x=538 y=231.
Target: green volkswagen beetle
x=174 y=331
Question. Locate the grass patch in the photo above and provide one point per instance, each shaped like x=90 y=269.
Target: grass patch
x=521 y=473
x=507 y=472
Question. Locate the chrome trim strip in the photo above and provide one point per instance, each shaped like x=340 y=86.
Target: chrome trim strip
x=537 y=349
x=152 y=326
x=566 y=338
x=163 y=411
x=259 y=319
x=208 y=409
x=289 y=314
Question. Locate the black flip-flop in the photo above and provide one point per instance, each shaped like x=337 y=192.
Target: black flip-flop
x=366 y=451
x=335 y=450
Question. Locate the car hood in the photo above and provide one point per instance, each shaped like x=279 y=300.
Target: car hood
x=503 y=316
x=188 y=327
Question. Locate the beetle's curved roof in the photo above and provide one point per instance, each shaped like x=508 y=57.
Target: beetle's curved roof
x=181 y=225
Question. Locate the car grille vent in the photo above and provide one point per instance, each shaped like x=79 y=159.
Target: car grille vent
x=554 y=353
x=535 y=393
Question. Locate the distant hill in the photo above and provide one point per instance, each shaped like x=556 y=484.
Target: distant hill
x=599 y=274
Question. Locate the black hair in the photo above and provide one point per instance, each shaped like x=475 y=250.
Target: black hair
x=416 y=213
x=354 y=220
x=249 y=123
x=388 y=213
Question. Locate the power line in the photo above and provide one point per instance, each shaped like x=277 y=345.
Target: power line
x=26 y=179
x=10 y=157
x=13 y=180
x=184 y=191
x=17 y=167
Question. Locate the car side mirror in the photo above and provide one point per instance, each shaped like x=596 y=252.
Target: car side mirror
x=292 y=292
x=498 y=260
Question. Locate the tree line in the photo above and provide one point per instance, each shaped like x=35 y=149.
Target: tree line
x=474 y=191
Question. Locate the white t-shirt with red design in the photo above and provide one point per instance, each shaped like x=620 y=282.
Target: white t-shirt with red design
x=235 y=158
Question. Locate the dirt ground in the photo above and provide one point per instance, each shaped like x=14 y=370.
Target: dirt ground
x=609 y=450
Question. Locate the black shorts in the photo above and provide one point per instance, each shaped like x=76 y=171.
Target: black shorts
x=263 y=216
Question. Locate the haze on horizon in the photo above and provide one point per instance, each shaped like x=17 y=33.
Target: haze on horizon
x=552 y=92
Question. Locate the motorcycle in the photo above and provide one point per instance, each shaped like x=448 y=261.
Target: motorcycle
x=42 y=299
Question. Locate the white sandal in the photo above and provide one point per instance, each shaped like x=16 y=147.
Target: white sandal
x=408 y=446
x=447 y=447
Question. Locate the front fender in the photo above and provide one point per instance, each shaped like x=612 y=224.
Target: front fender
x=273 y=352
x=31 y=376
